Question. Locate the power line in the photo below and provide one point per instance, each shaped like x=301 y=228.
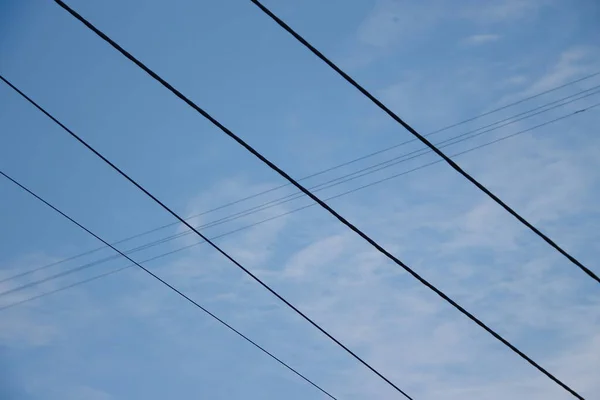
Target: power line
x=206 y=239
x=368 y=185
x=169 y=286
x=308 y=193
x=424 y=140
x=390 y=162
x=360 y=173
x=264 y=207
x=371 y=184
x=274 y=167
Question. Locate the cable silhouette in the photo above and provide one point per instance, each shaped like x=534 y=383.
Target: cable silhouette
x=190 y=300
x=262 y=207
x=424 y=140
x=495 y=125
x=371 y=184
x=275 y=168
x=206 y=239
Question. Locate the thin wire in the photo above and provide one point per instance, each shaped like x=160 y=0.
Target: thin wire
x=278 y=202
x=206 y=239
x=168 y=285
x=308 y=193
x=313 y=197
x=299 y=208
x=426 y=142
x=495 y=125
x=291 y=211
x=358 y=174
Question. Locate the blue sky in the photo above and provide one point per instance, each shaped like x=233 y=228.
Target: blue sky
x=435 y=63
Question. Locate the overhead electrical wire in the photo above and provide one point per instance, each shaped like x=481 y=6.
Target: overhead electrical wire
x=277 y=169
x=309 y=194
x=174 y=289
x=371 y=184
x=259 y=208
x=422 y=139
x=205 y=238
x=495 y=125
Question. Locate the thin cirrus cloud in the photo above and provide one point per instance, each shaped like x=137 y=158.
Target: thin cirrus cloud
x=476 y=40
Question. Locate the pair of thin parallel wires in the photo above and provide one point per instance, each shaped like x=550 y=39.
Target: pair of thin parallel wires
x=159 y=256
x=580 y=95
x=324 y=205
x=285 y=199
x=181 y=294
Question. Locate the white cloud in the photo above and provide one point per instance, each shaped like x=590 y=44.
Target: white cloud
x=26 y=330
x=501 y=11
x=571 y=64
x=314 y=256
x=391 y=22
x=86 y=392
x=480 y=39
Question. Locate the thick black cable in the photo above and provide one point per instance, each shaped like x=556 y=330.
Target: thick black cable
x=190 y=300
x=308 y=193
x=423 y=140
x=206 y=239
x=368 y=185
x=390 y=162
x=313 y=197
x=360 y=173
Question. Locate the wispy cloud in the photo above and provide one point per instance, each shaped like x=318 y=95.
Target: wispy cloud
x=476 y=40
x=570 y=64
x=501 y=11
x=86 y=392
x=398 y=24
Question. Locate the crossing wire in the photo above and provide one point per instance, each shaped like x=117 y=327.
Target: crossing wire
x=271 y=204
x=368 y=185
x=425 y=141
x=190 y=300
x=309 y=194
x=205 y=238
x=388 y=163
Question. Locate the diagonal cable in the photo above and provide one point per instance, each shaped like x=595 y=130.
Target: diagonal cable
x=206 y=239
x=277 y=216
x=425 y=141
x=373 y=168
x=280 y=201
x=167 y=284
